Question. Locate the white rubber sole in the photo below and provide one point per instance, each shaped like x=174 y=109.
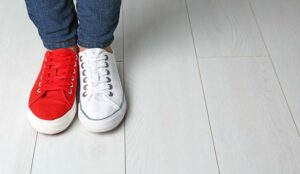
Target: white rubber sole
x=52 y=126
x=103 y=125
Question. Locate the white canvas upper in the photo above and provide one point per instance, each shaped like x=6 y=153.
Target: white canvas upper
x=101 y=93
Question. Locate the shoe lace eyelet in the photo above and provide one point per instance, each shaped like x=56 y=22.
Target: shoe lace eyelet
x=83 y=72
x=85 y=87
x=111 y=94
x=108 y=79
x=106 y=57
x=84 y=79
x=82 y=65
x=84 y=94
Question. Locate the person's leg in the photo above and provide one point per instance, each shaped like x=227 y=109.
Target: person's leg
x=98 y=20
x=102 y=101
x=52 y=101
x=56 y=21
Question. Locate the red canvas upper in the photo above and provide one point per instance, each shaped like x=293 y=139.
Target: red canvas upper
x=54 y=91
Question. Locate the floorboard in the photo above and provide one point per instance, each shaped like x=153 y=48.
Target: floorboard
x=167 y=130
x=280 y=26
x=251 y=123
x=224 y=28
x=17 y=138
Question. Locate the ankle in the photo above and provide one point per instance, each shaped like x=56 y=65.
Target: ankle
x=109 y=49
x=74 y=48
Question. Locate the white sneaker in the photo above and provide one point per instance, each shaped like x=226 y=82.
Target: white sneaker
x=102 y=101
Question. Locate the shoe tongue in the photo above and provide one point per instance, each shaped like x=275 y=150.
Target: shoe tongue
x=61 y=55
x=93 y=51
x=61 y=52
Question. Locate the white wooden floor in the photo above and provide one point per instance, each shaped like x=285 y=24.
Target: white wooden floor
x=213 y=87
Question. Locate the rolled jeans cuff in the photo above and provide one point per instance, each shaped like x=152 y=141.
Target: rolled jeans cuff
x=63 y=44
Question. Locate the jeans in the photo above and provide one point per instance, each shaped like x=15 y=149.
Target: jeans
x=59 y=25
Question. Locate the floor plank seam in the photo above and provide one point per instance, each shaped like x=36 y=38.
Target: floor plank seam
x=123 y=64
x=235 y=57
x=273 y=66
x=34 y=147
x=125 y=148
x=202 y=86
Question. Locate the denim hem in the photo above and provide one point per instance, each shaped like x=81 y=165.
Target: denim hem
x=63 y=44
x=94 y=44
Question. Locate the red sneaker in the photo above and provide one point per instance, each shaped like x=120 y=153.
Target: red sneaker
x=52 y=101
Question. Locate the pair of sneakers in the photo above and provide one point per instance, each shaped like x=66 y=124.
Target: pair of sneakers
x=52 y=101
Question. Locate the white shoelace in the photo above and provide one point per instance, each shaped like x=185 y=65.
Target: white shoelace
x=96 y=74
